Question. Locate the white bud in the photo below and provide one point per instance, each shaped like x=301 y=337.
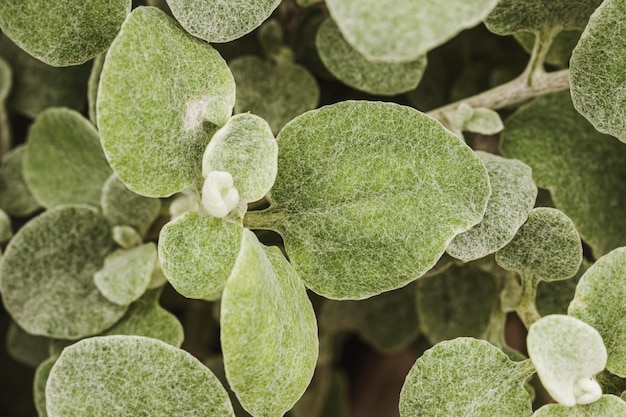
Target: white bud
x=587 y=390
x=219 y=195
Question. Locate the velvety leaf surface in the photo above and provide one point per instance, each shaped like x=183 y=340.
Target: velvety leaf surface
x=221 y=20
x=73 y=32
x=145 y=377
x=269 y=331
x=457 y=302
x=369 y=195
x=599 y=301
x=512 y=198
x=246 y=148
x=39 y=385
x=15 y=197
x=408 y=29
x=277 y=92
x=607 y=406
x=47 y=274
x=162 y=93
x=64 y=162
x=466 y=377
x=583 y=169
x=353 y=69
x=198 y=253
x=597 y=70
x=24 y=347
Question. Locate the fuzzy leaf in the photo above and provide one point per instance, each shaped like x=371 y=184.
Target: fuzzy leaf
x=269 y=331
x=39 y=385
x=599 y=301
x=198 y=253
x=145 y=377
x=353 y=69
x=597 y=70
x=583 y=169
x=47 y=274
x=221 y=20
x=162 y=96
x=15 y=197
x=484 y=121
x=466 y=377
x=567 y=354
x=512 y=198
x=369 y=195
x=92 y=87
x=408 y=29
x=607 y=406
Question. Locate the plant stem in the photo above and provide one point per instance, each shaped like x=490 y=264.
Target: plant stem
x=527 y=309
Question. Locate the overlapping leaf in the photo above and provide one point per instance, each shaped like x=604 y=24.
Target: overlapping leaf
x=15 y=197
x=6 y=81
x=607 y=406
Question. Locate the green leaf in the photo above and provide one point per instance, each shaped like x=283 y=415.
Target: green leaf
x=512 y=198
x=246 y=148
x=92 y=87
x=64 y=163
x=567 y=354
x=353 y=69
x=216 y=365
x=24 y=347
x=126 y=237
x=6 y=82
x=457 y=302
x=408 y=29
x=5 y=226
x=198 y=253
x=484 y=121
x=369 y=195
x=597 y=70
x=512 y=16
x=145 y=377
x=162 y=96
x=466 y=377
x=546 y=247
x=39 y=385
x=277 y=92
x=599 y=301
x=15 y=197
x=126 y=273
x=221 y=20
x=582 y=169
x=607 y=406
x=269 y=332
x=62 y=32
x=47 y=274
x=554 y=297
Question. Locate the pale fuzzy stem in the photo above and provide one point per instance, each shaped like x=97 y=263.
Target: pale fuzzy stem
x=527 y=309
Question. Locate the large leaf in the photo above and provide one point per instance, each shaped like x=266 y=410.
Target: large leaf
x=369 y=195
x=162 y=96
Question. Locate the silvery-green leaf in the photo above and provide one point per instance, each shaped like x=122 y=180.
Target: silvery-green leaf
x=126 y=273
x=5 y=226
x=124 y=207
x=47 y=274
x=512 y=198
x=92 y=86
x=15 y=197
x=24 y=347
x=132 y=376
x=162 y=95
x=466 y=377
x=582 y=168
x=597 y=70
x=63 y=32
x=457 y=302
x=368 y=196
x=246 y=148
x=599 y=301
x=221 y=20
x=607 y=406
x=407 y=29
x=567 y=354
x=216 y=365
x=560 y=50
x=512 y=16
x=353 y=69
x=64 y=162
x=484 y=121
x=277 y=92
x=6 y=81
x=39 y=385
x=268 y=330
x=546 y=247
x=126 y=237
x=197 y=253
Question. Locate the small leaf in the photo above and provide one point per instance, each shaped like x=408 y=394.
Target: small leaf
x=599 y=301
x=484 y=121
x=567 y=354
x=6 y=82
x=466 y=377
x=512 y=198
x=47 y=274
x=607 y=406
x=92 y=87
x=597 y=70
x=64 y=163
x=126 y=237
x=269 y=331
x=143 y=375
x=15 y=196
x=39 y=385
x=162 y=96
x=221 y=20
x=198 y=253
x=24 y=347
x=5 y=226
x=353 y=69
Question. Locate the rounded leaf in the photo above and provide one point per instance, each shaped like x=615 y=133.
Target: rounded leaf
x=15 y=197
x=607 y=406
x=145 y=377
